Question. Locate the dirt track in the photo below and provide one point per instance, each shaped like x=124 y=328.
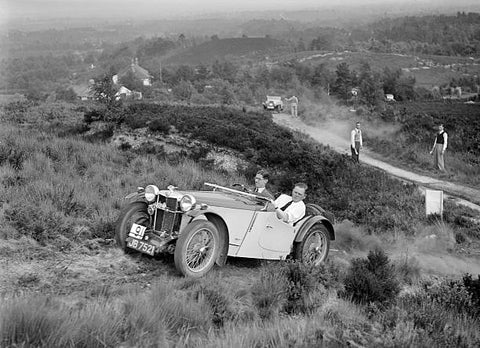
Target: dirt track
x=458 y=193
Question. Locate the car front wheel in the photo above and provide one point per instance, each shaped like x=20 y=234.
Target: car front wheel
x=197 y=248
x=314 y=247
x=133 y=213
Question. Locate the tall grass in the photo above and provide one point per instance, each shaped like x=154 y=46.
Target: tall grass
x=213 y=312
x=58 y=195
x=55 y=187
x=145 y=319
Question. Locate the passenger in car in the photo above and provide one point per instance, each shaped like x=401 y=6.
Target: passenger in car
x=261 y=180
x=290 y=209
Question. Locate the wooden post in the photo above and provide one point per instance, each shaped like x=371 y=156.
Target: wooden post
x=434 y=202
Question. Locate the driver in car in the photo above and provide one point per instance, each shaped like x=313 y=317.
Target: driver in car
x=291 y=209
x=261 y=179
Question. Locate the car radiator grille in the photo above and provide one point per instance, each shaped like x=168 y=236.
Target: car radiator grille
x=167 y=220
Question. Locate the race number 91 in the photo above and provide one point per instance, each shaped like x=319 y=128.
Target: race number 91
x=137 y=231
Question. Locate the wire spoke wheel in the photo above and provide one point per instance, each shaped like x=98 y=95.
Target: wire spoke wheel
x=197 y=248
x=314 y=247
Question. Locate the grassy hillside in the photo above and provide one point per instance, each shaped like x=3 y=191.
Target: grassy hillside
x=411 y=143
x=64 y=284
x=220 y=49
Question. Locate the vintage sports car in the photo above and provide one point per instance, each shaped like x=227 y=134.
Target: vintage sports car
x=273 y=103
x=202 y=228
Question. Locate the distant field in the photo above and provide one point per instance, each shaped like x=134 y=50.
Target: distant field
x=428 y=71
x=220 y=49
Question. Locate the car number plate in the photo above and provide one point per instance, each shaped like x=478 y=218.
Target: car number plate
x=141 y=246
x=137 y=231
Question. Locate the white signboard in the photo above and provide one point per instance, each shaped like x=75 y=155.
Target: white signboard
x=433 y=202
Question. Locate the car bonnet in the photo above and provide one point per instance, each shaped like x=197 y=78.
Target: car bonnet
x=225 y=200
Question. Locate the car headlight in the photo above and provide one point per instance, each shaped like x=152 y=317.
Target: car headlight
x=151 y=192
x=187 y=203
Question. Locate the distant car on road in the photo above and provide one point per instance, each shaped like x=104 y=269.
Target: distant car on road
x=202 y=228
x=273 y=103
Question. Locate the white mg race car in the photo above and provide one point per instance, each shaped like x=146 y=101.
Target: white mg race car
x=202 y=228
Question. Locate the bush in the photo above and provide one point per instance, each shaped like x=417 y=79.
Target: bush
x=442 y=313
x=219 y=303
x=45 y=225
x=268 y=292
x=293 y=287
x=408 y=270
x=159 y=125
x=371 y=280
x=473 y=287
x=13 y=155
x=302 y=283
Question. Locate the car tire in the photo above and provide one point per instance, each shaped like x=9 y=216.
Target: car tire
x=197 y=249
x=314 y=247
x=133 y=213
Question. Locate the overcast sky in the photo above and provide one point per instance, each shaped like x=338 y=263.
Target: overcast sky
x=10 y=9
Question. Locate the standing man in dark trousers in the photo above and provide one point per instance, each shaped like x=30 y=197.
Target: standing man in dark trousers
x=293 y=105
x=439 y=147
x=356 y=142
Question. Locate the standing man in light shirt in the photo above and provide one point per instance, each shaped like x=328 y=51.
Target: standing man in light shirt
x=291 y=209
x=293 y=105
x=356 y=142
x=261 y=179
x=439 y=147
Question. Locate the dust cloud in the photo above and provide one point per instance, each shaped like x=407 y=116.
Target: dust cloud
x=431 y=249
x=335 y=122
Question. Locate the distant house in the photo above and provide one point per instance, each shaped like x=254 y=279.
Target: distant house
x=137 y=71
x=124 y=93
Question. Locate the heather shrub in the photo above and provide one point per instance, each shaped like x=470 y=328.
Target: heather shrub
x=218 y=302
x=441 y=313
x=268 y=291
x=303 y=288
x=407 y=270
x=458 y=296
x=44 y=224
x=371 y=280
x=13 y=156
x=293 y=287
x=472 y=285
x=159 y=125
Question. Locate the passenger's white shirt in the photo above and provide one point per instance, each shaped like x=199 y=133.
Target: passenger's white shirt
x=295 y=211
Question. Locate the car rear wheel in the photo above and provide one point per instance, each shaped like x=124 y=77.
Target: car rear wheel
x=197 y=249
x=133 y=213
x=314 y=247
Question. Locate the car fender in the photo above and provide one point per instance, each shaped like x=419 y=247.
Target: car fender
x=317 y=219
x=136 y=197
x=224 y=237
